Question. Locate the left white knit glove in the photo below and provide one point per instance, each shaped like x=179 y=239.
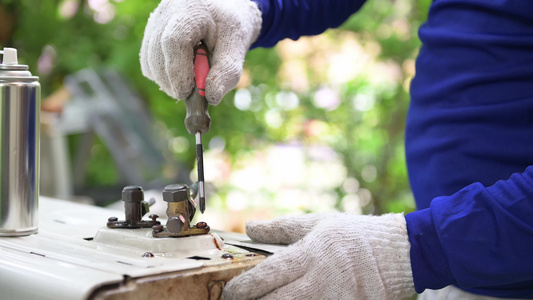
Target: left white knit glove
x=228 y=28
x=331 y=256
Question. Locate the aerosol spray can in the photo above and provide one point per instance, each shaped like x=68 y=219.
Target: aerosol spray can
x=20 y=102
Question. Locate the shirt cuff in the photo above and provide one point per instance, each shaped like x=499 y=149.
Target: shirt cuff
x=428 y=262
x=267 y=16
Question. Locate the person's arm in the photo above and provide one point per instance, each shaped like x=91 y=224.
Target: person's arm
x=480 y=239
x=294 y=18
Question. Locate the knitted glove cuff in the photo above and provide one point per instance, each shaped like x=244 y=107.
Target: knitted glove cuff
x=390 y=242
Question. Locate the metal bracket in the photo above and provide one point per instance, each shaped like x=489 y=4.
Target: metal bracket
x=135 y=208
x=180 y=211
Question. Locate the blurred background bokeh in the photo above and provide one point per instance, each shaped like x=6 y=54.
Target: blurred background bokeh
x=314 y=125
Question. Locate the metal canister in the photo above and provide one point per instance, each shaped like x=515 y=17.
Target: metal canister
x=20 y=101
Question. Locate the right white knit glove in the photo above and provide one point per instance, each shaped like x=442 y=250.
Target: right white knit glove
x=332 y=256
x=228 y=27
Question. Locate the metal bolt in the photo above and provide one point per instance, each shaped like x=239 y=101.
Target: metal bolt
x=157 y=228
x=227 y=256
x=175 y=224
x=153 y=217
x=175 y=193
x=201 y=225
x=112 y=219
x=132 y=193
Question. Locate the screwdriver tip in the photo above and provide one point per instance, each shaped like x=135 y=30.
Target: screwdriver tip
x=202 y=205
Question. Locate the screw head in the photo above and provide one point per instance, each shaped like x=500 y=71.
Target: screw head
x=153 y=217
x=157 y=228
x=148 y=254
x=227 y=256
x=201 y=225
x=112 y=219
x=176 y=193
x=132 y=193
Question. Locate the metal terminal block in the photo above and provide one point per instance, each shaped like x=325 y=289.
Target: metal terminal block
x=135 y=208
x=180 y=211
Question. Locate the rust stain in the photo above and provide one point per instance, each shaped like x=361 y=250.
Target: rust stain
x=219 y=247
x=215 y=289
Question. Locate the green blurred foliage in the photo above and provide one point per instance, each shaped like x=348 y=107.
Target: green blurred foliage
x=370 y=142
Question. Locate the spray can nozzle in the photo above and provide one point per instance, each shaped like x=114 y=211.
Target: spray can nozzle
x=10 y=56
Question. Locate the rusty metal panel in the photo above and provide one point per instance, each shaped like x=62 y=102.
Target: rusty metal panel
x=202 y=283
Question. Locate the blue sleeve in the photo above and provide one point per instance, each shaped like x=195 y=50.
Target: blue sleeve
x=470 y=126
x=294 y=18
x=480 y=239
x=471 y=112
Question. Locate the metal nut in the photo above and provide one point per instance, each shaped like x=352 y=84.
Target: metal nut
x=132 y=193
x=175 y=193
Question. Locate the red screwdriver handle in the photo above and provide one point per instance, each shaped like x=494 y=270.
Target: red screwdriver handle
x=201 y=68
x=197 y=118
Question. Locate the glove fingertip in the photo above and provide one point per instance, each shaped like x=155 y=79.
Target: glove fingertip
x=251 y=229
x=223 y=77
x=214 y=97
x=215 y=88
x=270 y=232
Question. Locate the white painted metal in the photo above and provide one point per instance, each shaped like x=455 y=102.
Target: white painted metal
x=62 y=262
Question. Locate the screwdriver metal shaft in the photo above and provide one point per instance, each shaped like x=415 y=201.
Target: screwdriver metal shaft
x=200 y=165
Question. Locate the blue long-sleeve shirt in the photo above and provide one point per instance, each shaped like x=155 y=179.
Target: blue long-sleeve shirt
x=469 y=128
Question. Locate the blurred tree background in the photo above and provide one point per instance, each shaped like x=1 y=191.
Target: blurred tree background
x=315 y=124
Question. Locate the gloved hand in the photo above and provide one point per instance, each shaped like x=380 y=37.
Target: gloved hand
x=228 y=27
x=332 y=256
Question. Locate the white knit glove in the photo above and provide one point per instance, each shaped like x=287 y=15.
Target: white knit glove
x=332 y=256
x=228 y=27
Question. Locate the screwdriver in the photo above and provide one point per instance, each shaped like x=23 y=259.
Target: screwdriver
x=197 y=120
